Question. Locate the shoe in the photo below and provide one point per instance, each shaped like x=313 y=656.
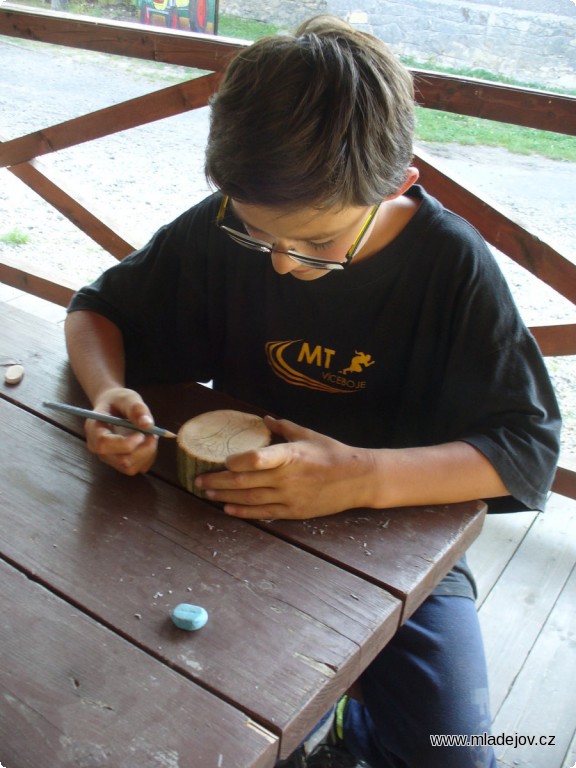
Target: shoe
x=296 y=760
x=324 y=747
x=324 y=756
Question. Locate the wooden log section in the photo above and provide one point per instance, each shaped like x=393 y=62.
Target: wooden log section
x=206 y=441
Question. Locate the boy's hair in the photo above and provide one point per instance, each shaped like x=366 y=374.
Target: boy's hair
x=324 y=117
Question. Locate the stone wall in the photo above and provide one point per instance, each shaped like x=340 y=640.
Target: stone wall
x=513 y=38
x=530 y=46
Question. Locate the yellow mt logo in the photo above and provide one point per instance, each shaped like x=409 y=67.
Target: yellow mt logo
x=304 y=365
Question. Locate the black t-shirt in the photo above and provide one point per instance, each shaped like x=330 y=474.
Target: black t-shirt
x=418 y=345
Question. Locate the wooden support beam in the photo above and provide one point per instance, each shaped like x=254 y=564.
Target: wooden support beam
x=565 y=480
x=434 y=90
x=52 y=288
x=44 y=182
x=495 y=101
x=555 y=340
x=103 y=122
x=497 y=228
x=138 y=41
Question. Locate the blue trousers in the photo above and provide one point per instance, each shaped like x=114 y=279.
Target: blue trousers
x=429 y=680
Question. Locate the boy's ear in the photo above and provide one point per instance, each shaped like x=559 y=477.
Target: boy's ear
x=412 y=176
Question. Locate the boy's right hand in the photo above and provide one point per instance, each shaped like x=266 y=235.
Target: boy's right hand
x=129 y=452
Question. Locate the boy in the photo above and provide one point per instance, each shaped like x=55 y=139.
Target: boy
x=322 y=284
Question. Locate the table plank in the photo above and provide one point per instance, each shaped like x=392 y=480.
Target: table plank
x=74 y=693
x=40 y=347
x=406 y=551
x=287 y=634
x=366 y=542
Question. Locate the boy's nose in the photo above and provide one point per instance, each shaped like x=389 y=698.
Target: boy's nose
x=282 y=263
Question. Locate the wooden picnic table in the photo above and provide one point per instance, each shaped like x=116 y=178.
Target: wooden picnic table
x=94 y=672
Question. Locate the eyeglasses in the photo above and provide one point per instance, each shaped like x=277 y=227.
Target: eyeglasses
x=309 y=261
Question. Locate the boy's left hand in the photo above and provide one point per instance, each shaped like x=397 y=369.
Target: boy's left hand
x=309 y=475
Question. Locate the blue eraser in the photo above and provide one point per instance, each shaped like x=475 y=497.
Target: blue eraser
x=190 y=617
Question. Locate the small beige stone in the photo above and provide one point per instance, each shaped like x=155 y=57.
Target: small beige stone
x=14 y=374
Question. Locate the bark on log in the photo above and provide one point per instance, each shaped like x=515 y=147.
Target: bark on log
x=205 y=442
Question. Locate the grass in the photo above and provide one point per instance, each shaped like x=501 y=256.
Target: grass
x=481 y=74
x=244 y=29
x=449 y=128
x=15 y=237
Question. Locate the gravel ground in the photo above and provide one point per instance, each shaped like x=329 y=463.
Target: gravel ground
x=148 y=175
